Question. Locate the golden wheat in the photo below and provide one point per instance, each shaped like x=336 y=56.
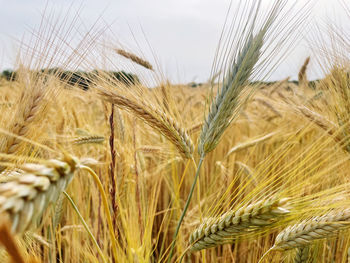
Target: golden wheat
x=24 y=198
x=154 y=118
x=236 y=223
x=308 y=231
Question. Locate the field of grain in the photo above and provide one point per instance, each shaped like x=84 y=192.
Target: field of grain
x=232 y=170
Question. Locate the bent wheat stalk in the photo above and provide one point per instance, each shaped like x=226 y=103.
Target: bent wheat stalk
x=306 y=232
x=8 y=241
x=234 y=224
x=156 y=119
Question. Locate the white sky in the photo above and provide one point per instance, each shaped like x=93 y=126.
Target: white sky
x=182 y=33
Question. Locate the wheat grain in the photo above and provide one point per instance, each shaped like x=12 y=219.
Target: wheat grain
x=233 y=224
x=302 y=255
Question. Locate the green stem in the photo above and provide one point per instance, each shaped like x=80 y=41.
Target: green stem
x=185 y=209
x=86 y=226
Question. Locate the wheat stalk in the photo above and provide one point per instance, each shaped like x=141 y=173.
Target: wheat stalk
x=306 y=232
x=154 y=118
x=24 y=198
x=233 y=224
x=8 y=241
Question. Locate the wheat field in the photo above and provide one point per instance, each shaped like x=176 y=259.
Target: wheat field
x=237 y=169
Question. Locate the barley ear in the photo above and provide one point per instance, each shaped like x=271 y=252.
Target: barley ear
x=155 y=118
x=226 y=101
x=135 y=58
x=237 y=223
x=316 y=228
x=24 y=198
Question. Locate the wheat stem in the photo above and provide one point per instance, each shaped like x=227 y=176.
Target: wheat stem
x=85 y=226
x=106 y=207
x=185 y=209
x=8 y=241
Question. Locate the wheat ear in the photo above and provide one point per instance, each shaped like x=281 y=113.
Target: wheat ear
x=226 y=101
x=325 y=124
x=135 y=58
x=306 y=232
x=302 y=78
x=154 y=118
x=24 y=198
x=302 y=255
x=88 y=139
x=25 y=116
x=234 y=224
x=279 y=84
x=248 y=144
x=269 y=106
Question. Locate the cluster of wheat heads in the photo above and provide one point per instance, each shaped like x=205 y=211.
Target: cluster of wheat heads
x=144 y=147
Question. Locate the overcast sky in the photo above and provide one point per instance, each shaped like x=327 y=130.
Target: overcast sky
x=182 y=33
